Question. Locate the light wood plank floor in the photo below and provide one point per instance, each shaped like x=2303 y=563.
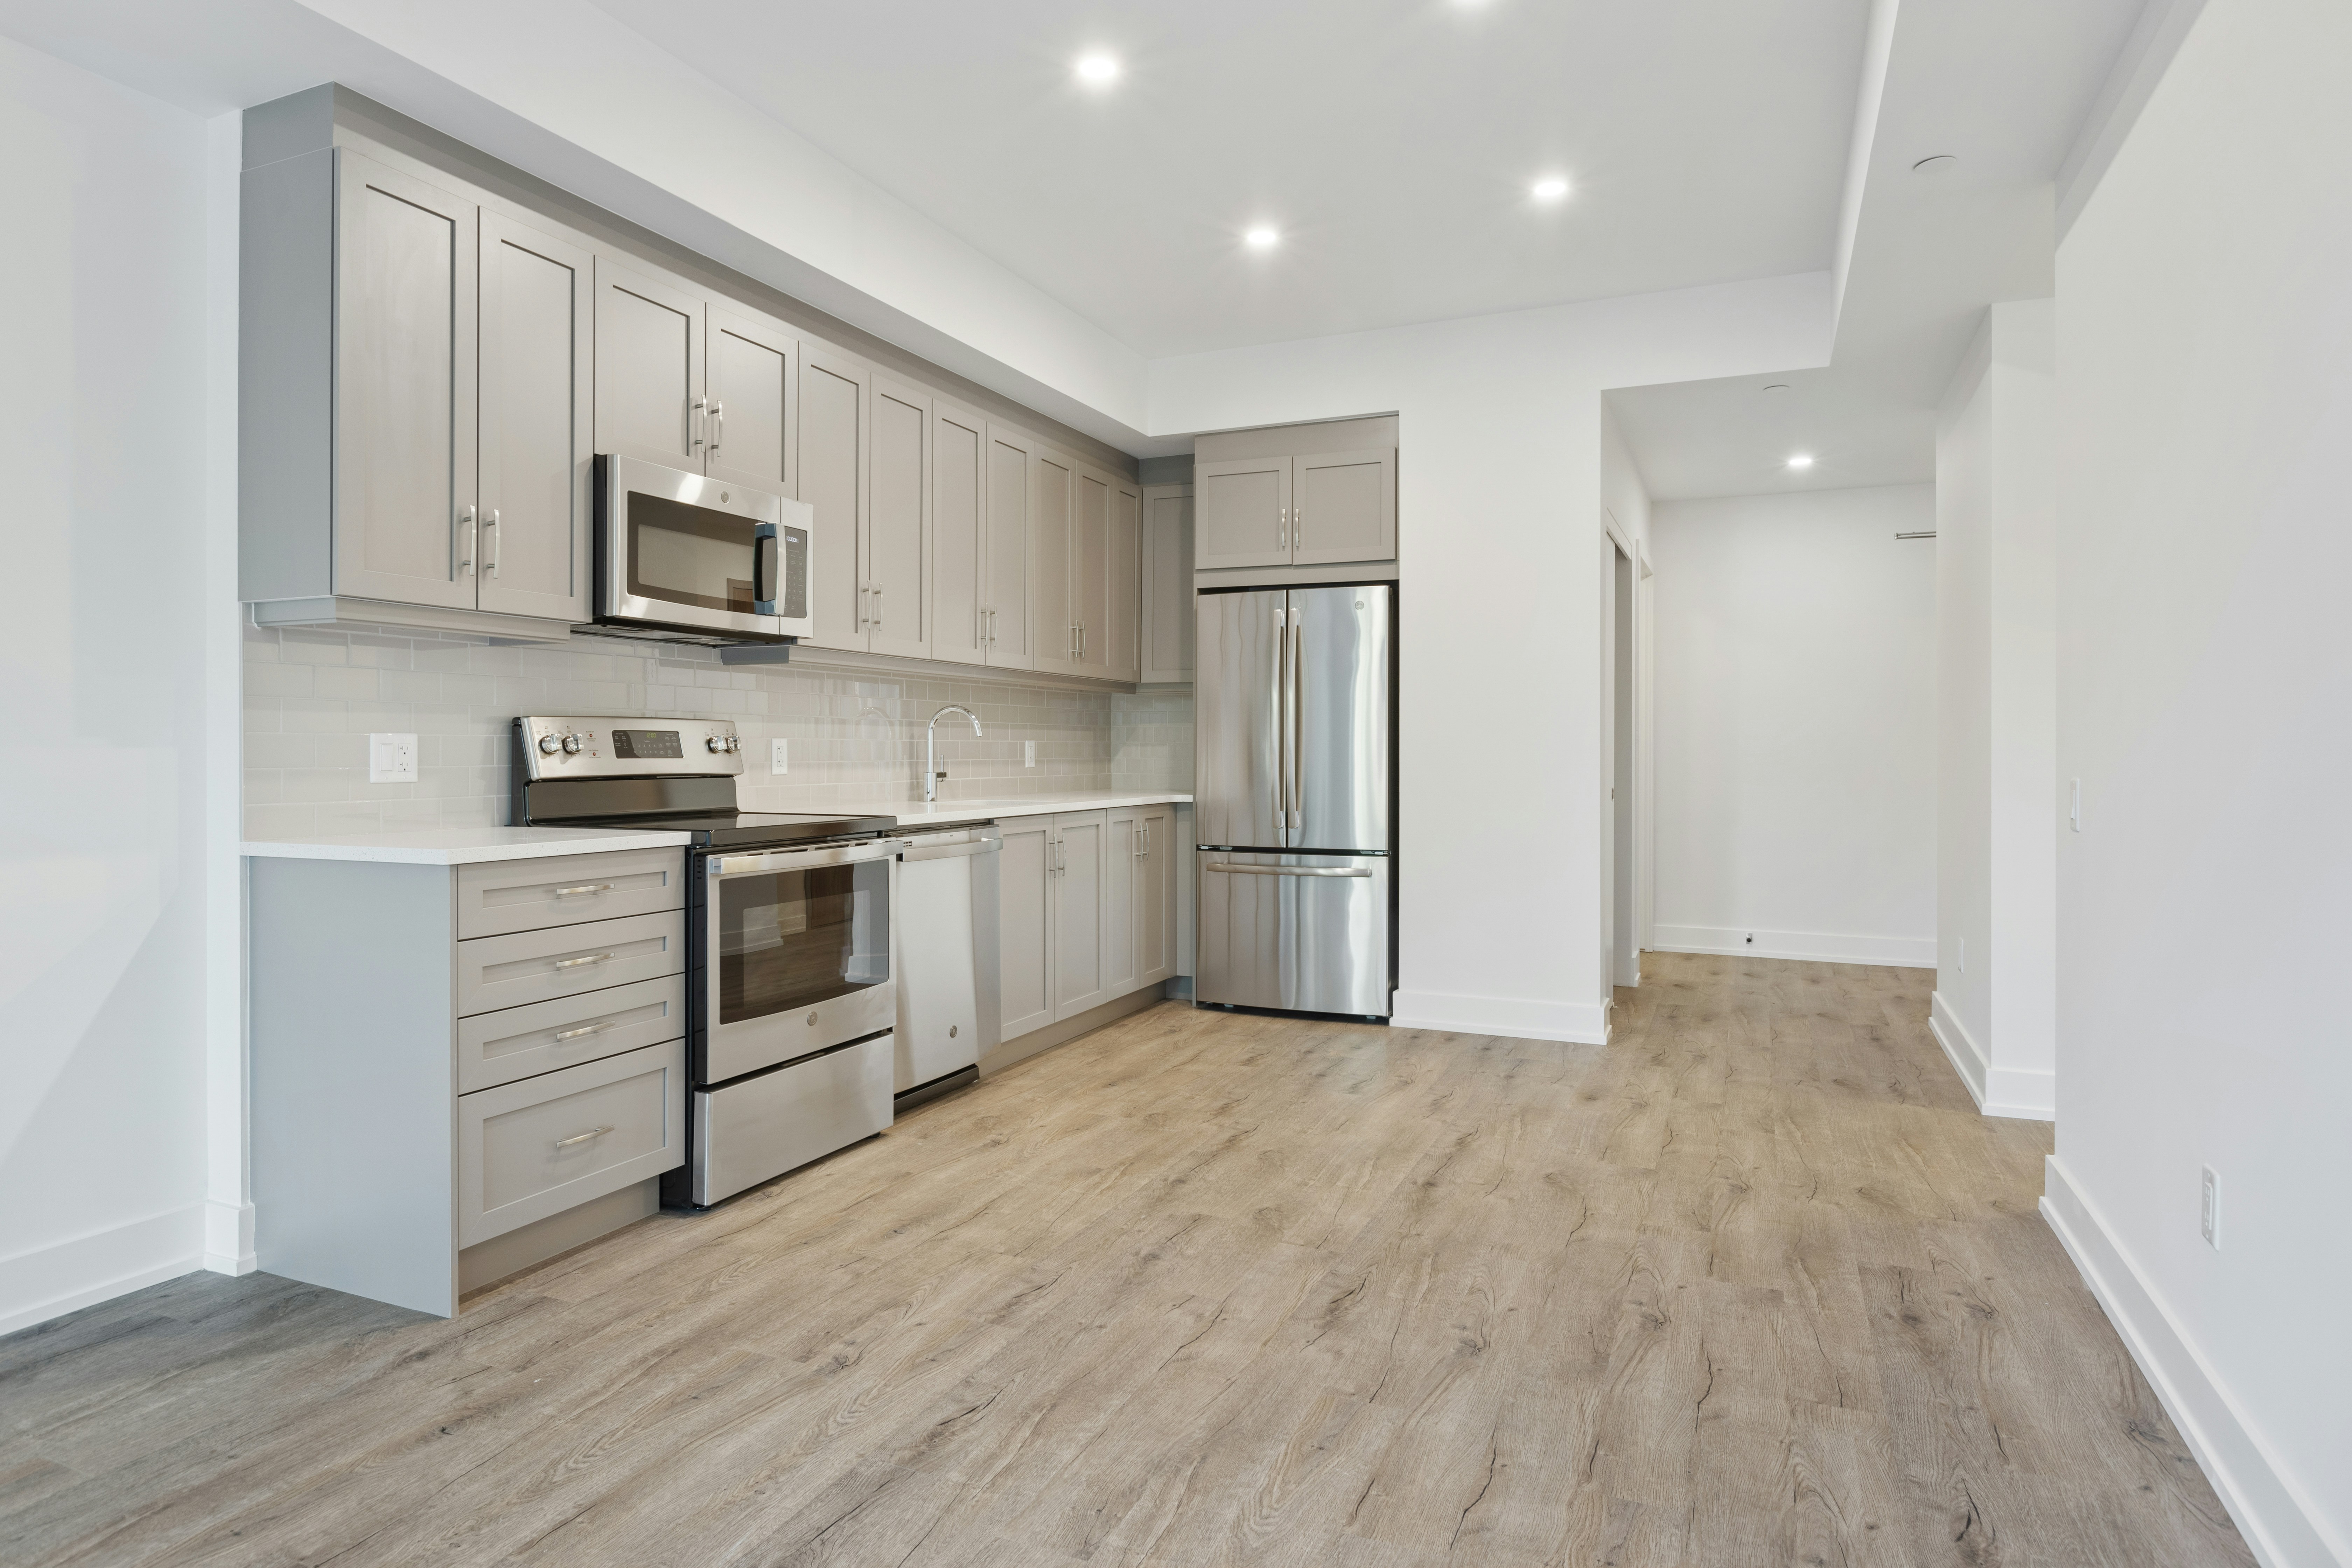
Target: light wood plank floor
x=1754 y=1285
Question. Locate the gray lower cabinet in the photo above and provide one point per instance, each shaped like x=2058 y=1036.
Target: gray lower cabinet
x=460 y=1071
x=1088 y=911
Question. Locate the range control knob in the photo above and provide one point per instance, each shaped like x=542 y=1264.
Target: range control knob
x=548 y=745
x=572 y=744
x=733 y=744
x=717 y=742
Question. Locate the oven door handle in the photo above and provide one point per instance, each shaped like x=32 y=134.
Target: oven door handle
x=764 y=592
x=774 y=860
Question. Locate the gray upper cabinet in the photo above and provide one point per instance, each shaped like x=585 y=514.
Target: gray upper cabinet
x=649 y=378
x=1167 y=583
x=752 y=366
x=1053 y=627
x=1090 y=568
x=536 y=368
x=1343 y=507
x=899 y=516
x=406 y=324
x=1122 y=655
x=1010 y=627
x=959 y=630
x=833 y=481
x=1242 y=515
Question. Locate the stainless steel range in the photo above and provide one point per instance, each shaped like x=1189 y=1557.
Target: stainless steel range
x=791 y=1002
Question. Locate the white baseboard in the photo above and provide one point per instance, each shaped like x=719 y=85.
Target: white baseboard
x=1514 y=1017
x=1806 y=946
x=1997 y=1091
x=66 y=1276
x=228 y=1238
x=2274 y=1514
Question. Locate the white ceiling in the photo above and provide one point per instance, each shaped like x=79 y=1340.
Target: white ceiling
x=1391 y=141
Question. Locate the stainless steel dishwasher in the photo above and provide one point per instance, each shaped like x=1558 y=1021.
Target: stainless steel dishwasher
x=949 y=1010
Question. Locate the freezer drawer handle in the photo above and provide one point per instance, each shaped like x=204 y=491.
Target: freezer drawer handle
x=582 y=1137
x=576 y=963
x=1289 y=870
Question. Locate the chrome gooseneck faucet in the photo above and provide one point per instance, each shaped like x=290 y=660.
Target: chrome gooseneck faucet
x=932 y=771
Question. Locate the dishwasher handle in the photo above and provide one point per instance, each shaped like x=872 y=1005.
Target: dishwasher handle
x=952 y=845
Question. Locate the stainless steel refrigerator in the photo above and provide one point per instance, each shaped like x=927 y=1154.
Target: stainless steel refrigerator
x=1294 y=798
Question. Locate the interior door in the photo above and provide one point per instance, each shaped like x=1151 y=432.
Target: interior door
x=537 y=365
x=1167 y=583
x=1122 y=641
x=405 y=347
x=1241 y=512
x=752 y=387
x=1081 y=978
x=897 y=520
x=1237 y=754
x=649 y=383
x=1090 y=575
x=1024 y=925
x=1009 y=628
x=1053 y=630
x=1343 y=507
x=959 y=485
x=1340 y=716
x=833 y=481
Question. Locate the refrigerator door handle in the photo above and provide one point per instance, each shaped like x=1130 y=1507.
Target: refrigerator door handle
x=1282 y=759
x=1298 y=721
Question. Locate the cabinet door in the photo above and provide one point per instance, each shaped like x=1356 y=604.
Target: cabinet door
x=1090 y=568
x=1080 y=869
x=1004 y=563
x=1155 y=894
x=959 y=485
x=1343 y=507
x=1122 y=657
x=833 y=481
x=1053 y=629
x=898 y=520
x=1122 y=953
x=405 y=334
x=648 y=366
x=537 y=365
x=1025 y=880
x=1241 y=512
x=1167 y=583
x=753 y=387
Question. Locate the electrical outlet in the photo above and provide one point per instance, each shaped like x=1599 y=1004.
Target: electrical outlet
x=2210 y=1214
x=1028 y=754
x=779 y=760
x=392 y=759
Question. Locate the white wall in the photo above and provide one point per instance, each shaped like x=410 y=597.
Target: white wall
x=1499 y=525
x=2205 y=701
x=105 y=682
x=1796 y=744
x=1995 y=1010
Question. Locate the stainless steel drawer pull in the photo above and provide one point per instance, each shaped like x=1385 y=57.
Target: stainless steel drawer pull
x=576 y=963
x=1290 y=870
x=583 y=887
x=582 y=1137
x=583 y=1029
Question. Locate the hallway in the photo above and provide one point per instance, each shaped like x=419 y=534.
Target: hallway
x=1755 y=1284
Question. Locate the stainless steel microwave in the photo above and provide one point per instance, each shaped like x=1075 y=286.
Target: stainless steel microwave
x=687 y=558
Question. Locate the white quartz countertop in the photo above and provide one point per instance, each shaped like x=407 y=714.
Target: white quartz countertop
x=915 y=814
x=462 y=846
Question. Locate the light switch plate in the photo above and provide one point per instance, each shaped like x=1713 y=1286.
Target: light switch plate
x=392 y=759
x=780 y=757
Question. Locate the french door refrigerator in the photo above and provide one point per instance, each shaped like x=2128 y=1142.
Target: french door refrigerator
x=1294 y=798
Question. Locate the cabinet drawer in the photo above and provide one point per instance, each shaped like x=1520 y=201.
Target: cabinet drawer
x=520 y=1042
x=500 y=896
x=495 y=972
x=529 y=1149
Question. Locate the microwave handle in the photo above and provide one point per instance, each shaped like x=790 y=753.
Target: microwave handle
x=764 y=588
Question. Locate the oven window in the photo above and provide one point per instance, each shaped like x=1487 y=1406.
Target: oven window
x=789 y=940
x=689 y=554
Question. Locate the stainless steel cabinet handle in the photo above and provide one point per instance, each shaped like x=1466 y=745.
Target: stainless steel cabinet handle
x=1288 y=871
x=498 y=539
x=582 y=1137
x=596 y=1028
x=718 y=424
x=701 y=412
x=576 y=963
x=582 y=888
x=466 y=561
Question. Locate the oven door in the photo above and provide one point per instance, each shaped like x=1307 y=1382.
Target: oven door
x=683 y=553
x=793 y=955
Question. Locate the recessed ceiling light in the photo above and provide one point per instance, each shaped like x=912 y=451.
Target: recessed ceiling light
x=1098 y=70
x=1262 y=238
x=1550 y=188
x=1801 y=460
x=1941 y=163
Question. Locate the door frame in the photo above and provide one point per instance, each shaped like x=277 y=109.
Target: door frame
x=1614 y=542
